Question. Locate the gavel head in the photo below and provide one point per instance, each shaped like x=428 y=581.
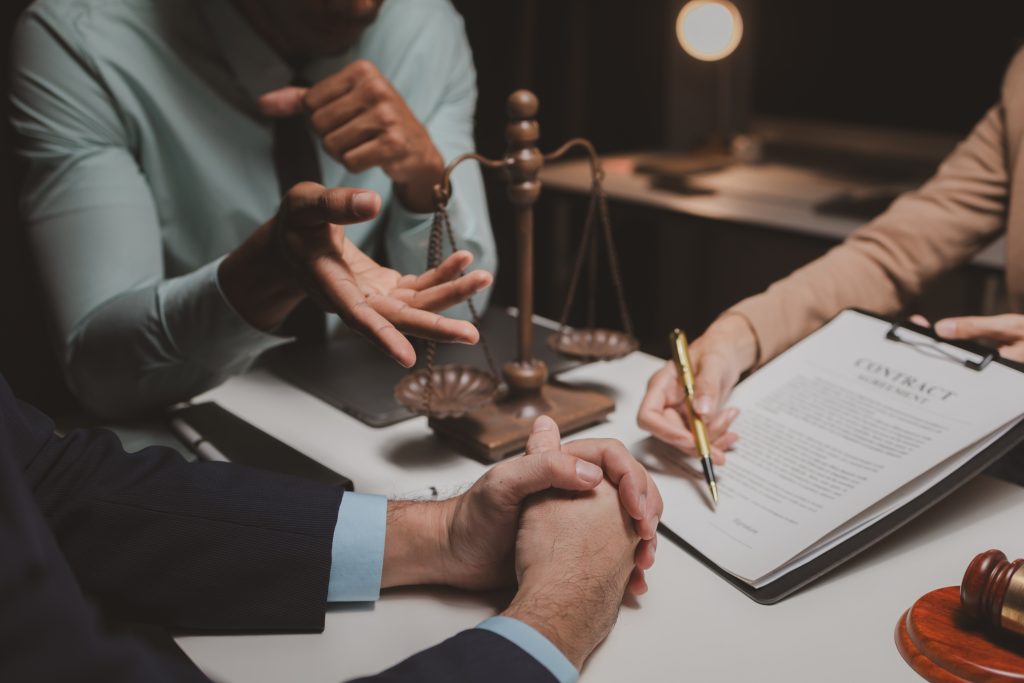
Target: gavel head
x=993 y=591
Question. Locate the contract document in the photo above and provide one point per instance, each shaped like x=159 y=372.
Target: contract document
x=835 y=434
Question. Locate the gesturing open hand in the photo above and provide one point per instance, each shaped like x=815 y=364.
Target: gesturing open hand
x=303 y=251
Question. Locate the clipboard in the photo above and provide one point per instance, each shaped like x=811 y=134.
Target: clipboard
x=805 y=574
x=244 y=444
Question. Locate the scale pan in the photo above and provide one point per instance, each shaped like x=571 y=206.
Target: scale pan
x=458 y=389
x=593 y=343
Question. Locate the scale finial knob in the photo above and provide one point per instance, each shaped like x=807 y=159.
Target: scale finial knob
x=522 y=104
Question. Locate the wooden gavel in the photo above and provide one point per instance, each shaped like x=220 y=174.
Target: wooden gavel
x=993 y=591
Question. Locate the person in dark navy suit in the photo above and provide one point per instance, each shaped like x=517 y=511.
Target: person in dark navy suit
x=90 y=534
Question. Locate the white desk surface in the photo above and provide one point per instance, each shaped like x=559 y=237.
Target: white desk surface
x=690 y=626
x=772 y=196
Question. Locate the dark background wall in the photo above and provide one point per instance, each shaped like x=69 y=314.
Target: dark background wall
x=612 y=71
x=909 y=64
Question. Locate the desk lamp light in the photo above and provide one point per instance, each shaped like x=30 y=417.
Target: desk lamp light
x=710 y=31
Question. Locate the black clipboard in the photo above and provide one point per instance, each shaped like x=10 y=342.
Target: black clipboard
x=805 y=574
x=245 y=444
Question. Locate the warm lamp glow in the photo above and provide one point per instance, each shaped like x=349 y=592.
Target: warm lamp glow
x=709 y=29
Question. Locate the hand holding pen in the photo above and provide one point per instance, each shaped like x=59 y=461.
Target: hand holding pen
x=684 y=369
x=719 y=357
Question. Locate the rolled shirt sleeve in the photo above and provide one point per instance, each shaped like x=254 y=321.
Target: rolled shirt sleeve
x=129 y=339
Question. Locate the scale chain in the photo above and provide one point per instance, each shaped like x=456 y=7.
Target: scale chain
x=613 y=259
x=577 y=271
x=597 y=211
x=472 y=307
x=440 y=229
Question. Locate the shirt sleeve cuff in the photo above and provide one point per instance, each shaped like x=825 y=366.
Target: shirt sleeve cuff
x=357 y=553
x=534 y=644
x=402 y=220
x=204 y=327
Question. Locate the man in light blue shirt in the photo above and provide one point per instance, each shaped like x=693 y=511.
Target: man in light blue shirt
x=147 y=129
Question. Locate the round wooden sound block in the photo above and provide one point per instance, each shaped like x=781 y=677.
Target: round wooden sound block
x=941 y=644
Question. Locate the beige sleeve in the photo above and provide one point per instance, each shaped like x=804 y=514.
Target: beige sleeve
x=885 y=265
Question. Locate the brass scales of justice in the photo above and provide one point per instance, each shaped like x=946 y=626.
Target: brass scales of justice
x=474 y=408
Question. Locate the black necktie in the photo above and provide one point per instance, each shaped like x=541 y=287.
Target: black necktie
x=295 y=161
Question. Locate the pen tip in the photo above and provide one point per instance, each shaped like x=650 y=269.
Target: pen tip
x=714 y=492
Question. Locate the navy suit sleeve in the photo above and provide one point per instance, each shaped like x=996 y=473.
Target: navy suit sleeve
x=194 y=546
x=471 y=656
x=156 y=539
x=48 y=630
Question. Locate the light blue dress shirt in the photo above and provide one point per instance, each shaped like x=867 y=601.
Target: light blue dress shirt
x=148 y=160
x=358 y=559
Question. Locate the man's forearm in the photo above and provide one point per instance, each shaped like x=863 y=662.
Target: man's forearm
x=44 y=609
x=119 y=363
x=573 y=615
x=151 y=347
x=414 y=544
x=416 y=190
x=190 y=545
x=255 y=282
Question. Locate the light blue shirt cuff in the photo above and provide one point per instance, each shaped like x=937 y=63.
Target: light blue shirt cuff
x=534 y=644
x=402 y=220
x=357 y=553
x=204 y=327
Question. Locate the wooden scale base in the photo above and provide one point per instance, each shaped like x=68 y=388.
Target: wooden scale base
x=943 y=645
x=494 y=431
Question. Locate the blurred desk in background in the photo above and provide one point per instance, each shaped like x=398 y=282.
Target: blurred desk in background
x=694 y=243
x=772 y=196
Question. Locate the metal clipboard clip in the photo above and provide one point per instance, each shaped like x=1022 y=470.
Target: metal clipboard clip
x=967 y=353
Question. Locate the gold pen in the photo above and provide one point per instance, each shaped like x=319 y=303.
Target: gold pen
x=681 y=356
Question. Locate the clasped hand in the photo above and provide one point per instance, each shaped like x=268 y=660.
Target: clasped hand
x=559 y=519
